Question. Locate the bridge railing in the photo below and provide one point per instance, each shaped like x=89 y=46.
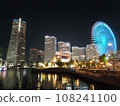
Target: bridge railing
x=100 y=74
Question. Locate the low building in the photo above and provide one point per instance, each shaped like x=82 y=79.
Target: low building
x=63 y=56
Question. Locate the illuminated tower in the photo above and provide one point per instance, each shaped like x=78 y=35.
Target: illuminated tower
x=49 y=48
x=16 y=49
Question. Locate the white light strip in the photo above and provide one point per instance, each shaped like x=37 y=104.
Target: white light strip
x=19 y=24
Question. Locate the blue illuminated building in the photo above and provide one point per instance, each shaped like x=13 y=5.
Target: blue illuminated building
x=103 y=37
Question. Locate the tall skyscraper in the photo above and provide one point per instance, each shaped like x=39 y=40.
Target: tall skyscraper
x=16 y=48
x=33 y=55
x=63 y=46
x=78 y=53
x=49 y=48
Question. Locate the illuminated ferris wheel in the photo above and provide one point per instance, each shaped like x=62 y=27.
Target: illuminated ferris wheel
x=103 y=37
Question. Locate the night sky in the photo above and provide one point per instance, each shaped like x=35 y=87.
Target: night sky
x=68 y=20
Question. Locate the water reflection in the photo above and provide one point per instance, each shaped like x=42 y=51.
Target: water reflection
x=13 y=79
x=91 y=87
x=2 y=74
x=58 y=81
x=25 y=79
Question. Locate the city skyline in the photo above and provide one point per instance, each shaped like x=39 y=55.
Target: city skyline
x=68 y=21
x=59 y=45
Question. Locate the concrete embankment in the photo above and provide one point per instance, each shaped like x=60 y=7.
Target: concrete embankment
x=111 y=78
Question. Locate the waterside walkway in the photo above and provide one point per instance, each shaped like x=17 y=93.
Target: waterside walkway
x=99 y=75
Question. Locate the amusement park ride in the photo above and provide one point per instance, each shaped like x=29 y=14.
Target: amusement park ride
x=103 y=37
x=3 y=65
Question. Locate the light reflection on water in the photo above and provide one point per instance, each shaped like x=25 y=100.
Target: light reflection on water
x=59 y=81
x=24 y=79
x=2 y=74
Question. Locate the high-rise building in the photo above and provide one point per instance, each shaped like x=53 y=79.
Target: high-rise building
x=16 y=48
x=78 y=53
x=33 y=56
x=49 y=48
x=41 y=56
x=91 y=52
x=63 y=46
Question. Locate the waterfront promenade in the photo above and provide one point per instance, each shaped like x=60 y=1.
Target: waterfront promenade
x=98 y=75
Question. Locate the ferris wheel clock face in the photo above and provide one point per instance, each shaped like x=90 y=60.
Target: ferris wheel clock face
x=103 y=37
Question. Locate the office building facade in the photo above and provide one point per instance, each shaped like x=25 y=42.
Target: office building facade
x=16 y=48
x=91 y=52
x=49 y=48
x=63 y=46
x=78 y=53
x=41 y=56
x=62 y=56
x=33 y=55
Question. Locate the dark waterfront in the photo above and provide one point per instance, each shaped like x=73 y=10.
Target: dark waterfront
x=25 y=80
